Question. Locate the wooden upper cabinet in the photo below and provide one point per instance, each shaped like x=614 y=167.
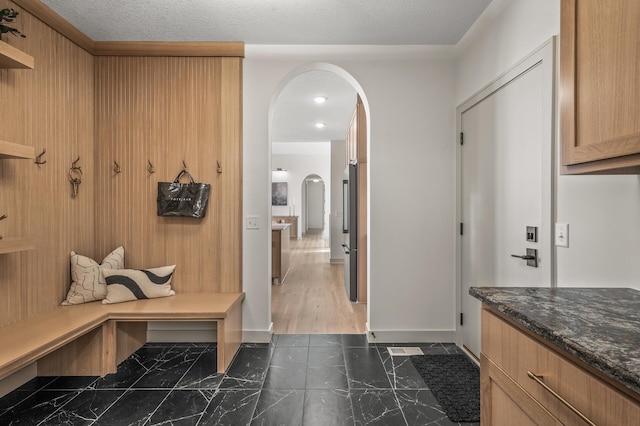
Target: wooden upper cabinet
x=600 y=86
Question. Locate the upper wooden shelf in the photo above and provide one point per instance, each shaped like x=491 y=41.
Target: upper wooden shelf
x=14 y=150
x=12 y=245
x=10 y=57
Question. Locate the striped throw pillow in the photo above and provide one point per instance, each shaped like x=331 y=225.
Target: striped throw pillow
x=134 y=284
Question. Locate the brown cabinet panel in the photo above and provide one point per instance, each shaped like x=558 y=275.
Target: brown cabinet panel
x=600 y=86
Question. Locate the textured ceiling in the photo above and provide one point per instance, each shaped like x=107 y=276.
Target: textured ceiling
x=376 y=22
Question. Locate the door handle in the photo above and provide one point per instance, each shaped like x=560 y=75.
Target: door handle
x=525 y=257
x=531 y=257
x=348 y=250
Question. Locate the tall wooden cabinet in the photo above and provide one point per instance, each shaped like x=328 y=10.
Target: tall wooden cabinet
x=600 y=86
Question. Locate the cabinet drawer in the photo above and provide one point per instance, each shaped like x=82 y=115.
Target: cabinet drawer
x=504 y=403
x=517 y=354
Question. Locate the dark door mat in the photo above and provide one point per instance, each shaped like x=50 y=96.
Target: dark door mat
x=455 y=382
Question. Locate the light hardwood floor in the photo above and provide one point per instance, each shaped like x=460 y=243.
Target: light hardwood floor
x=312 y=299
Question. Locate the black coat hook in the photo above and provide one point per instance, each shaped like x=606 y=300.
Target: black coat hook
x=4 y=216
x=38 y=159
x=184 y=166
x=150 y=167
x=116 y=167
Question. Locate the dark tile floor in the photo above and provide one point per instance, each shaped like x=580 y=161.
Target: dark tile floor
x=295 y=380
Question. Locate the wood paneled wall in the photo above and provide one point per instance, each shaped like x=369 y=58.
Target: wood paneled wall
x=166 y=110
x=125 y=109
x=52 y=107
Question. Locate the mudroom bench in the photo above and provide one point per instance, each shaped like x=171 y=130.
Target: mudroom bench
x=92 y=339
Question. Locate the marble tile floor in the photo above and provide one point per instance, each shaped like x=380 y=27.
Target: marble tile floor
x=297 y=379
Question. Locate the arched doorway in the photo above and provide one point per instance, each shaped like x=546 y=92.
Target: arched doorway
x=319 y=204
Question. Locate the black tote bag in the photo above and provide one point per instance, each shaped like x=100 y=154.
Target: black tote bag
x=183 y=199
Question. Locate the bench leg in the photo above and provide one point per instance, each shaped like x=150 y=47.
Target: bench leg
x=229 y=337
x=130 y=336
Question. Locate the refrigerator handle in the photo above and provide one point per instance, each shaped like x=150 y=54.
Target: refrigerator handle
x=347 y=250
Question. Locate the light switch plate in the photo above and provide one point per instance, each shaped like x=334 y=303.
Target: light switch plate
x=253 y=222
x=562 y=235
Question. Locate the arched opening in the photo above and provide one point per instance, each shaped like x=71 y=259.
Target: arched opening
x=315 y=194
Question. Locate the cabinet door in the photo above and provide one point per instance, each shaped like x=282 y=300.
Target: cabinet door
x=600 y=85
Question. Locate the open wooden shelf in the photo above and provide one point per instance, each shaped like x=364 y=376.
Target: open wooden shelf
x=10 y=57
x=13 y=244
x=14 y=150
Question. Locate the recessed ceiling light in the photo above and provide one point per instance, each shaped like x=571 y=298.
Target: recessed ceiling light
x=320 y=99
x=320 y=125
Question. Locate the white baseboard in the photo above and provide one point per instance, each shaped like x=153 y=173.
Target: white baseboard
x=337 y=260
x=173 y=331
x=18 y=379
x=257 y=336
x=410 y=336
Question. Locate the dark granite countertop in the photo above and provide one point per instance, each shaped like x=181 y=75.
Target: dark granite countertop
x=600 y=326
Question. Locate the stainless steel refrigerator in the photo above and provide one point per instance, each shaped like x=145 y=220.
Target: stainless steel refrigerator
x=350 y=230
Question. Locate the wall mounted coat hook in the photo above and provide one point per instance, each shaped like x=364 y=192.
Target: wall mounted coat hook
x=219 y=169
x=75 y=177
x=184 y=166
x=4 y=216
x=116 y=167
x=38 y=159
x=150 y=167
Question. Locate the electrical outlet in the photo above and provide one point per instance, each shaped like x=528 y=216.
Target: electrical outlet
x=562 y=234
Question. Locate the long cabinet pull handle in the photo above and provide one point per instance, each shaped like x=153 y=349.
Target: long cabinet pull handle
x=538 y=380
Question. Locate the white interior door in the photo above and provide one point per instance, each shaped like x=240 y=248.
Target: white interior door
x=506 y=185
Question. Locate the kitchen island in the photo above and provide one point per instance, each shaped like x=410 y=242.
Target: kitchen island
x=560 y=355
x=280 y=248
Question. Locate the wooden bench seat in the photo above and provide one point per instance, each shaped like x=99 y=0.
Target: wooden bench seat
x=92 y=339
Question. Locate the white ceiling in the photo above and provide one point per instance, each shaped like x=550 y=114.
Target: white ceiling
x=287 y=22
x=295 y=112
x=375 y=22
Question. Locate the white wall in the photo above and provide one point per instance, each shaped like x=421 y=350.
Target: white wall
x=409 y=92
x=603 y=212
x=298 y=166
x=315 y=205
x=338 y=164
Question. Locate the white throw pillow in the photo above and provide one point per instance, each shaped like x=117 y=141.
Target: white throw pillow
x=87 y=280
x=134 y=284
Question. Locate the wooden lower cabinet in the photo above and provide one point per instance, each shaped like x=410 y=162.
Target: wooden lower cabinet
x=509 y=395
x=292 y=220
x=280 y=249
x=503 y=402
